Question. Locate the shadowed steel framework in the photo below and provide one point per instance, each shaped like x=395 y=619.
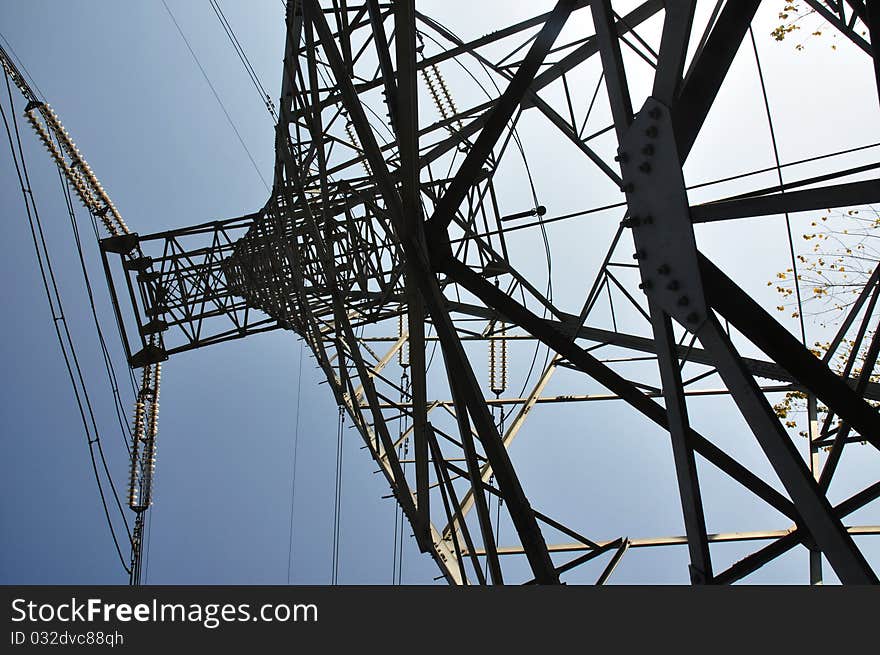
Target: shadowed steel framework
x=389 y=246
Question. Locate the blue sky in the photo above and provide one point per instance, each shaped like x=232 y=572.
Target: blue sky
x=126 y=88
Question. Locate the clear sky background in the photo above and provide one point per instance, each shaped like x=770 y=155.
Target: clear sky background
x=128 y=91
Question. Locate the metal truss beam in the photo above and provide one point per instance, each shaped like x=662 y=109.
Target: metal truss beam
x=462 y=379
x=343 y=250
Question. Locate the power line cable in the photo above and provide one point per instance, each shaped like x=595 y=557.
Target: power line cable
x=146 y=557
x=216 y=95
x=293 y=477
x=22 y=67
x=108 y=362
x=59 y=321
x=541 y=223
x=58 y=315
x=337 y=509
x=239 y=50
x=797 y=286
x=397 y=521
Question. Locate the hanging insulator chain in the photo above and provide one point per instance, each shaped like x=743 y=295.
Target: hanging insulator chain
x=152 y=431
x=498 y=361
x=88 y=188
x=143 y=447
x=74 y=175
x=439 y=91
x=403 y=353
x=16 y=77
x=136 y=439
x=137 y=541
x=432 y=89
x=352 y=138
x=135 y=480
x=78 y=172
x=446 y=94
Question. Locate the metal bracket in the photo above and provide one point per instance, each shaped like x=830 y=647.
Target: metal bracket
x=660 y=216
x=154 y=327
x=121 y=244
x=148 y=355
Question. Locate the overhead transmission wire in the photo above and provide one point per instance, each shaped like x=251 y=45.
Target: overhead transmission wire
x=778 y=167
x=82 y=179
x=239 y=50
x=337 y=509
x=108 y=361
x=109 y=368
x=402 y=451
x=399 y=527
x=398 y=538
x=290 y=551
x=337 y=503
x=62 y=331
x=811 y=400
x=540 y=221
x=438 y=91
x=30 y=79
x=337 y=506
x=731 y=178
x=146 y=555
x=216 y=95
x=66 y=184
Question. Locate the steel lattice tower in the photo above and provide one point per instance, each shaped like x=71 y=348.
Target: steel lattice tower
x=389 y=246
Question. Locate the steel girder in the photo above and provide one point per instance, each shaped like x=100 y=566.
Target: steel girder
x=430 y=261
x=388 y=227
